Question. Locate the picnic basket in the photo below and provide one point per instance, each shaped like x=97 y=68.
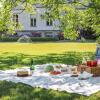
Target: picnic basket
x=93 y=70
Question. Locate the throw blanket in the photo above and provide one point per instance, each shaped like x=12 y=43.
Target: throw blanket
x=62 y=82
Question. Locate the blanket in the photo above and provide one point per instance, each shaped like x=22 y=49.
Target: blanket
x=61 y=82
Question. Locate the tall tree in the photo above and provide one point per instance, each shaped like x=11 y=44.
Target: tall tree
x=75 y=15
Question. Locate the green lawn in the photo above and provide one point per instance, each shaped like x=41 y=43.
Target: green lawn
x=46 y=48
x=15 y=55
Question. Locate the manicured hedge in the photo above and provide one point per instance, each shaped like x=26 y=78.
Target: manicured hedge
x=9 y=39
x=43 y=39
x=34 y=39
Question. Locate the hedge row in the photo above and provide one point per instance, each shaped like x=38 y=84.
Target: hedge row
x=8 y=39
x=44 y=39
x=34 y=39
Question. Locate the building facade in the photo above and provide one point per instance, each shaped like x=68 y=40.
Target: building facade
x=35 y=25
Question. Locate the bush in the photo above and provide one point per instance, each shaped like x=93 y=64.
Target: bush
x=98 y=40
x=24 y=39
x=83 y=39
x=8 y=39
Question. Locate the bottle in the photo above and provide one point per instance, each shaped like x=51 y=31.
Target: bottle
x=84 y=61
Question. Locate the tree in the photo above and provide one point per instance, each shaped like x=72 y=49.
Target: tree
x=73 y=15
x=6 y=24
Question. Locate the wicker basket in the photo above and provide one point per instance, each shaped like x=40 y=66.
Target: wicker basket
x=93 y=70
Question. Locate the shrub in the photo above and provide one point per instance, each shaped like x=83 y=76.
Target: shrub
x=9 y=39
x=24 y=39
x=98 y=40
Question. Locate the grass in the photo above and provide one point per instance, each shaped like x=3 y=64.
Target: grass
x=46 y=48
x=13 y=91
x=10 y=60
x=15 y=55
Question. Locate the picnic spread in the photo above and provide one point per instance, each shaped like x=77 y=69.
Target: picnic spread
x=82 y=79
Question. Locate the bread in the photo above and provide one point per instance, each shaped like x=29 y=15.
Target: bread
x=22 y=73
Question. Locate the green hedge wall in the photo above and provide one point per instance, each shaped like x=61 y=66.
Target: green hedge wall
x=34 y=39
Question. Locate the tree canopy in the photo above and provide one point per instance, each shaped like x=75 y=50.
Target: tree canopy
x=73 y=15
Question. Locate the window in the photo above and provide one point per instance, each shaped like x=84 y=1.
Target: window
x=49 y=22
x=32 y=21
x=48 y=34
x=36 y=34
x=15 y=19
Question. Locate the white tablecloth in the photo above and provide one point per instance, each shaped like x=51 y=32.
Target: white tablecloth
x=62 y=82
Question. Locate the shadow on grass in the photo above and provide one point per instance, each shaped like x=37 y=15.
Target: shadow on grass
x=67 y=58
x=11 y=60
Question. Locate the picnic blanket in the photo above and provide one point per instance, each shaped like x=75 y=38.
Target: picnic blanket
x=62 y=82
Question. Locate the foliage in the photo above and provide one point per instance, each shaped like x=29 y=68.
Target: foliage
x=72 y=16
x=27 y=40
x=75 y=15
x=98 y=40
x=24 y=39
x=6 y=16
x=8 y=39
x=36 y=39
